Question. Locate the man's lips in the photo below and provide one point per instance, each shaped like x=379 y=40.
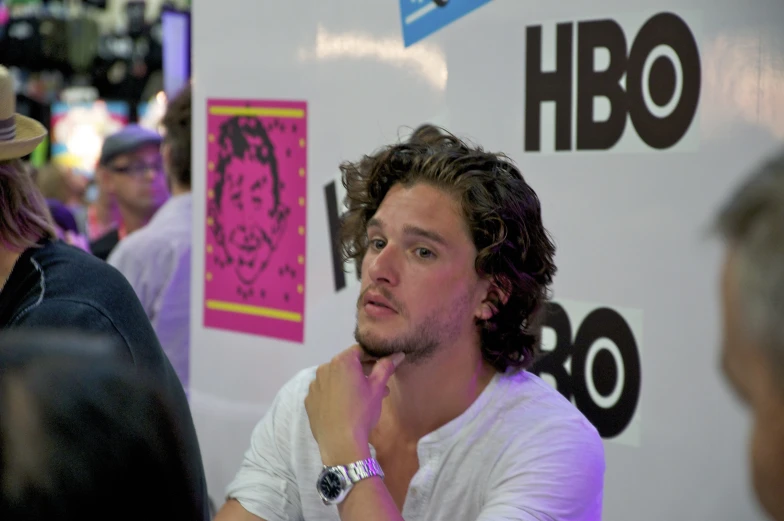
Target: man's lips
x=376 y=299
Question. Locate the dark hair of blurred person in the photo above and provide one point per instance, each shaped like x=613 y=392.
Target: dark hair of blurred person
x=84 y=436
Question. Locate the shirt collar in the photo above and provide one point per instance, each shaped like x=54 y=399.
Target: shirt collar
x=176 y=205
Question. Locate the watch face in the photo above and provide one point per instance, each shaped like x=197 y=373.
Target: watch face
x=330 y=485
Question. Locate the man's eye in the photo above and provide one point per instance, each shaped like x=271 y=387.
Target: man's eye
x=424 y=253
x=377 y=244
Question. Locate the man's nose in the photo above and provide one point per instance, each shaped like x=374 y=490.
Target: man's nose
x=384 y=267
x=151 y=172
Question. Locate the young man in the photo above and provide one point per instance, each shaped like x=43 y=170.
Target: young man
x=752 y=224
x=47 y=284
x=131 y=172
x=431 y=416
x=156 y=259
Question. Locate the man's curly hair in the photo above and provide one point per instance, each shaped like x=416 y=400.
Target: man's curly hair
x=502 y=212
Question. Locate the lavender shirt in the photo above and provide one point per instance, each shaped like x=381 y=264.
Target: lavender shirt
x=156 y=260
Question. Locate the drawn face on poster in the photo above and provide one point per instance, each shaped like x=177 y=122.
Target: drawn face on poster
x=249 y=218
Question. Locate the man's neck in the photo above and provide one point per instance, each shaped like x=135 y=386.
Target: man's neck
x=106 y=211
x=8 y=260
x=426 y=396
x=178 y=189
x=132 y=221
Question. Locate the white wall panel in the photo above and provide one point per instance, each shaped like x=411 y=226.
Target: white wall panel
x=630 y=222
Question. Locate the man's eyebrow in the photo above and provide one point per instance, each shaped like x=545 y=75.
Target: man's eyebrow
x=411 y=230
x=427 y=234
x=375 y=223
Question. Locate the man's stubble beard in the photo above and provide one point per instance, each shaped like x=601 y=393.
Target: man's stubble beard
x=418 y=347
x=422 y=343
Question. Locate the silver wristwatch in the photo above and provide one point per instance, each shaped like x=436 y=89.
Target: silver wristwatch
x=334 y=483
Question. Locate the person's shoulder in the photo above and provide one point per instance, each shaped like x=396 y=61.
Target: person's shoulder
x=146 y=236
x=137 y=238
x=70 y=270
x=296 y=388
x=527 y=390
x=528 y=400
x=287 y=410
x=532 y=426
x=57 y=253
x=68 y=314
x=135 y=244
x=149 y=241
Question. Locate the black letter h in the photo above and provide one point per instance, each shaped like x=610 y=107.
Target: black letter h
x=548 y=86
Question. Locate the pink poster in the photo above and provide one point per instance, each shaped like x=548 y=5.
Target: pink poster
x=255 y=242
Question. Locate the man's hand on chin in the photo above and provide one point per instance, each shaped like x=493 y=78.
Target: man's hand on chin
x=344 y=403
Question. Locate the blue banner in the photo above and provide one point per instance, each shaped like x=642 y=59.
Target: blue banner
x=421 y=18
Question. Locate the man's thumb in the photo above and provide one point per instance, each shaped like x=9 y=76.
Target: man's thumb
x=384 y=368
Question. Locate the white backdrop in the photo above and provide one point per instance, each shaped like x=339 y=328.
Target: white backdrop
x=629 y=220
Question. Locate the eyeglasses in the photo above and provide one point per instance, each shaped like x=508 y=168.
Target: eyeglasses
x=138 y=169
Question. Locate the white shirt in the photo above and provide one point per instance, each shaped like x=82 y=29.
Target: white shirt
x=156 y=260
x=520 y=452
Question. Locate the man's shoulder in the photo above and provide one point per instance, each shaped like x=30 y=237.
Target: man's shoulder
x=150 y=241
x=527 y=390
x=61 y=260
x=296 y=388
x=287 y=409
x=286 y=418
x=141 y=242
x=79 y=292
x=531 y=402
x=72 y=275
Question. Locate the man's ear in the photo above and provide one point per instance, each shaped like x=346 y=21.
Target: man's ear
x=495 y=297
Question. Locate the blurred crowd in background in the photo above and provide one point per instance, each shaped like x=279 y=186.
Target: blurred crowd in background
x=95 y=110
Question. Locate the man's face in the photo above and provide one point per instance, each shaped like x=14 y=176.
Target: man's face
x=137 y=180
x=420 y=290
x=250 y=219
x=752 y=374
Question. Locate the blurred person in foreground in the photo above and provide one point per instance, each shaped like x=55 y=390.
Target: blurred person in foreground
x=752 y=289
x=48 y=284
x=131 y=173
x=431 y=415
x=156 y=259
x=85 y=437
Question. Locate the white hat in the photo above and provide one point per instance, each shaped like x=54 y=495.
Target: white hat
x=19 y=135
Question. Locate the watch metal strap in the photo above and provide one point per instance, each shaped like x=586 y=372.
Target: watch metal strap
x=364 y=469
